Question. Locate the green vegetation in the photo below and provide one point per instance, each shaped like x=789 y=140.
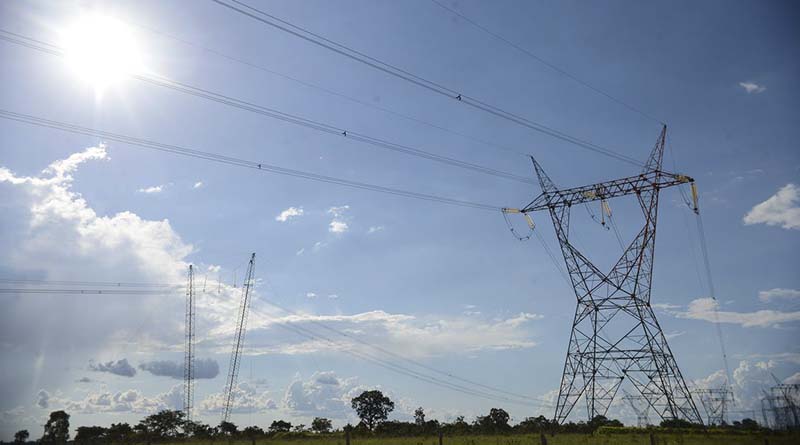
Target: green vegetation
x=372 y=407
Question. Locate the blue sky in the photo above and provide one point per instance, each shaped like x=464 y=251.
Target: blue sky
x=448 y=286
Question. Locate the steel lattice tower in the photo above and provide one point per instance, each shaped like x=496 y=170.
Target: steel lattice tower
x=238 y=339
x=598 y=361
x=715 y=403
x=188 y=358
x=640 y=406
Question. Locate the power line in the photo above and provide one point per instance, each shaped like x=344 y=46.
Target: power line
x=546 y=63
x=325 y=89
x=283 y=25
x=51 y=49
x=237 y=162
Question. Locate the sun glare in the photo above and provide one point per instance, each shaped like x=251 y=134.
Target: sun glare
x=101 y=50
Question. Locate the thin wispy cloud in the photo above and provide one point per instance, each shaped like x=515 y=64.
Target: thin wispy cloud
x=781 y=209
x=752 y=87
x=707 y=309
x=291 y=212
x=338 y=224
x=152 y=190
x=198 y=185
x=778 y=294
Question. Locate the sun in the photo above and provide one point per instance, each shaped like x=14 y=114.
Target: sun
x=101 y=50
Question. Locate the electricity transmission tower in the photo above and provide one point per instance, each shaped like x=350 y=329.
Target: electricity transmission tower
x=780 y=406
x=640 y=407
x=615 y=334
x=188 y=357
x=238 y=339
x=715 y=403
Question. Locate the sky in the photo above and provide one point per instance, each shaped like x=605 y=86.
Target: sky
x=445 y=286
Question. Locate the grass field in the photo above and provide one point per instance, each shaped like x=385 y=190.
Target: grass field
x=527 y=439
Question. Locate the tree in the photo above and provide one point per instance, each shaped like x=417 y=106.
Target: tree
x=300 y=428
x=228 y=428
x=198 y=429
x=601 y=420
x=21 y=436
x=534 y=424
x=56 y=430
x=280 y=426
x=372 y=407
x=252 y=432
x=419 y=416
x=119 y=432
x=90 y=434
x=496 y=421
x=321 y=425
x=166 y=424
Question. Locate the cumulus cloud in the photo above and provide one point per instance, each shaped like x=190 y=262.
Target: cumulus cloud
x=120 y=367
x=752 y=87
x=42 y=399
x=339 y=223
x=247 y=398
x=291 y=212
x=781 y=209
x=130 y=400
x=778 y=293
x=749 y=378
x=204 y=368
x=708 y=309
x=51 y=232
x=322 y=394
x=152 y=189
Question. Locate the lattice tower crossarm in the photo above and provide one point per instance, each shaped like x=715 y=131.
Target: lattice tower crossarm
x=597 y=362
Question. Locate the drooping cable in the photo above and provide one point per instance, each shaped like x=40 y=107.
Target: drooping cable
x=233 y=161
x=283 y=25
x=544 y=62
x=164 y=82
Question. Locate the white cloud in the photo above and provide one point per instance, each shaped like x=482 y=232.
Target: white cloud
x=708 y=309
x=301 y=251
x=778 y=293
x=374 y=229
x=130 y=400
x=333 y=296
x=152 y=189
x=246 y=399
x=311 y=295
x=323 y=394
x=291 y=212
x=119 y=367
x=52 y=233
x=43 y=399
x=204 y=368
x=779 y=210
x=339 y=222
x=198 y=185
x=405 y=334
x=793 y=379
x=752 y=87
x=748 y=380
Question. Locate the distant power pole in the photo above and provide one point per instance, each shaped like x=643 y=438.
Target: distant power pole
x=615 y=334
x=640 y=407
x=715 y=403
x=238 y=339
x=188 y=356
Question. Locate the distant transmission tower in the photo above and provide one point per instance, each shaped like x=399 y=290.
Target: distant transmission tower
x=715 y=403
x=615 y=334
x=188 y=358
x=238 y=339
x=640 y=407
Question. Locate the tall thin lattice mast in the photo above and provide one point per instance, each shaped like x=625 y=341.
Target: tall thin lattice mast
x=615 y=334
x=238 y=339
x=188 y=357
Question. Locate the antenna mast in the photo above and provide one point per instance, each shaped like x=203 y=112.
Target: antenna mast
x=188 y=357
x=238 y=339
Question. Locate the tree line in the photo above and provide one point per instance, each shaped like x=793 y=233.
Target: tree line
x=371 y=407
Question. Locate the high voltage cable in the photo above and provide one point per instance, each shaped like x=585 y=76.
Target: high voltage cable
x=84 y=283
x=407 y=359
x=324 y=89
x=546 y=63
x=283 y=25
x=237 y=162
x=277 y=114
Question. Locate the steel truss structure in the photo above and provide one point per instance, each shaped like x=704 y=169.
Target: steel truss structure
x=715 y=403
x=597 y=361
x=188 y=358
x=238 y=339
